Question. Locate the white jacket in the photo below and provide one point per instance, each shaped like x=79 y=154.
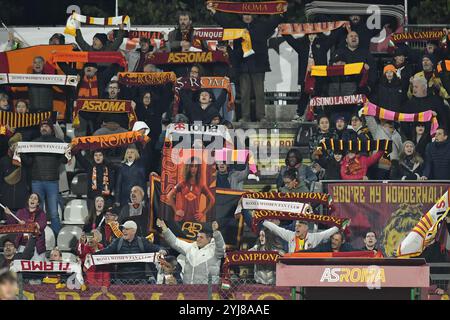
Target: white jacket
x=312 y=240
x=199 y=262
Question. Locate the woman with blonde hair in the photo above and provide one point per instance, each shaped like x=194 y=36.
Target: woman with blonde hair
x=131 y=172
x=410 y=163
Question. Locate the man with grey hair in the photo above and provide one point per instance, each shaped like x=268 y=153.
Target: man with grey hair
x=422 y=101
x=136 y=211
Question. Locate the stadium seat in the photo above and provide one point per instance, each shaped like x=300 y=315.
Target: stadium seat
x=50 y=241
x=68 y=237
x=79 y=185
x=76 y=212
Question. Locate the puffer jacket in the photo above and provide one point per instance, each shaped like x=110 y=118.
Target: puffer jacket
x=199 y=263
x=44 y=166
x=41 y=97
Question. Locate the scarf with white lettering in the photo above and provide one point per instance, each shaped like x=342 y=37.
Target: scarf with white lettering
x=104 y=106
x=424 y=233
x=302 y=29
x=74 y=20
x=181 y=129
x=264 y=7
x=338 y=100
x=96 y=260
x=262 y=204
x=307 y=197
x=108 y=141
x=371 y=109
x=224 y=35
x=245 y=258
x=50 y=79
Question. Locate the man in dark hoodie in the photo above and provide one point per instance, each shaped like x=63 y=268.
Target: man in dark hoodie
x=205 y=109
x=100 y=41
x=437 y=157
x=45 y=172
x=251 y=69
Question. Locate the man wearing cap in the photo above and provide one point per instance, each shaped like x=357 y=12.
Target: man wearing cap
x=202 y=256
x=137 y=57
x=130 y=243
x=300 y=239
x=45 y=172
x=100 y=41
x=57 y=38
x=181 y=37
x=435 y=86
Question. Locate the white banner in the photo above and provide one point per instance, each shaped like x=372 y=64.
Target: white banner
x=42 y=147
x=208 y=130
x=50 y=79
x=260 y=204
x=118 y=258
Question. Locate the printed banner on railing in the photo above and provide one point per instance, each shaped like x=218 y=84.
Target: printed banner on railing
x=95 y=260
x=42 y=147
x=157 y=292
x=50 y=79
x=392 y=210
x=226 y=201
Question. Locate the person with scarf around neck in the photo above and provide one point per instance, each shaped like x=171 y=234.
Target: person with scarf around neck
x=130 y=173
x=180 y=39
x=14 y=190
x=354 y=166
x=96 y=218
x=31 y=213
x=136 y=211
x=328 y=166
x=360 y=130
x=100 y=174
x=388 y=93
x=434 y=83
x=323 y=131
x=437 y=157
x=340 y=129
x=409 y=165
x=294 y=161
x=404 y=69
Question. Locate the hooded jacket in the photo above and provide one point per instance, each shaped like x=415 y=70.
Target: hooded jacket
x=199 y=263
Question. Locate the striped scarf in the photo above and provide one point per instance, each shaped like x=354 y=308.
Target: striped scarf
x=443 y=66
x=74 y=20
x=265 y=7
x=88 y=88
x=223 y=35
x=146 y=78
x=338 y=70
x=23 y=120
x=91 y=56
x=301 y=29
x=108 y=141
x=357 y=145
x=105 y=180
x=31 y=227
x=371 y=109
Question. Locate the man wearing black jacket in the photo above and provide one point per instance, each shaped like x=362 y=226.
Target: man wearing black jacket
x=205 y=109
x=251 y=69
x=437 y=157
x=336 y=244
x=45 y=173
x=10 y=252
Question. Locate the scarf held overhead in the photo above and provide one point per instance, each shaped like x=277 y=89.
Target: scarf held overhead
x=338 y=100
x=24 y=120
x=262 y=204
x=357 y=145
x=104 y=106
x=180 y=129
x=146 y=78
x=301 y=29
x=264 y=7
x=160 y=58
x=92 y=56
x=417 y=36
x=96 y=260
x=231 y=156
x=108 y=141
x=42 y=147
x=371 y=109
x=223 y=35
x=307 y=197
x=75 y=19
x=338 y=70
x=50 y=79
x=424 y=233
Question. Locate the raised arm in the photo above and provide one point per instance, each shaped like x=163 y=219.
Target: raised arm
x=84 y=46
x=218 y=240
x=175 y=243
x=284 y=234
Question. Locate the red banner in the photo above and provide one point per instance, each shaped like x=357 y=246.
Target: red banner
x=389 y=209
x=156 y=292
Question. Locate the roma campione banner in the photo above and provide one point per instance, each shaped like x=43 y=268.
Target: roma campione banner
x=226 y=201
x=392 y=210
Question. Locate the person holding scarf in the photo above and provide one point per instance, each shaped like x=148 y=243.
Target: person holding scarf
x=31 y=213
x=14 y=190
x=410 y=164
x=388 y=94
x=323 y=131
x=100 y=176
x=354 y=166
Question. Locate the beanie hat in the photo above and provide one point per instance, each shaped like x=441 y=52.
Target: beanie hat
x=103 y=38
x=90 y=64
x=432 y=58
x=59 y=36
x=389 y=67
x=47 y=122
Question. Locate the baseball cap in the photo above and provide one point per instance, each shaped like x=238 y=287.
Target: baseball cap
x=130 y=225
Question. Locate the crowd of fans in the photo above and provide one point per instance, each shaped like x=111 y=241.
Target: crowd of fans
x=117 y=178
